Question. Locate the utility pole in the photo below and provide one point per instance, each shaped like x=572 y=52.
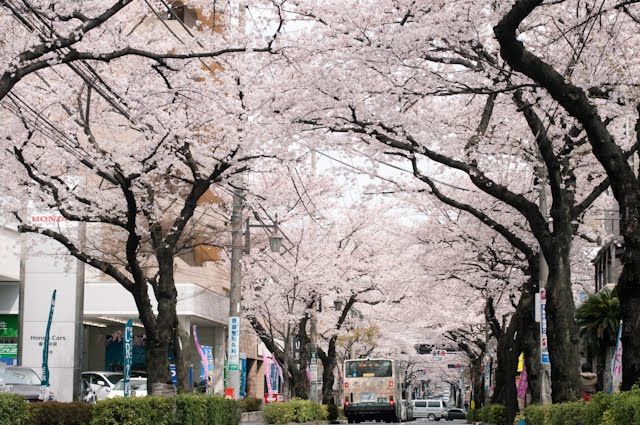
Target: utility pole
x=313 y=331
x=235 y=295
x=545 y=382
x=313 y=365
x=487 y=362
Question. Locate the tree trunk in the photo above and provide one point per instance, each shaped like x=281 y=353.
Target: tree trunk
x=510 y=345
x=476 y=380
x=531 y=349
x=562 y=330
x=157 y=357
x=178 y=354
x=328 y=379
x=285 y=366
x=629 y=293
x=166 y=323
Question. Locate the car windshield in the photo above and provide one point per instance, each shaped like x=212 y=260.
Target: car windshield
x=17 y=376
x=113 y=378
x=136 y=384
x=369 y=369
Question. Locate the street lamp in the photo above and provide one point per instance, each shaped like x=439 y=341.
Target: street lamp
x=275 y=237
x=275 y=240
x=337 y=304
x=235 y=285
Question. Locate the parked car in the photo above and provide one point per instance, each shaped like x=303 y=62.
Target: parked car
x=138 y=388
x=25 y=382
x=432 y=409
x=101 y=383
x=455 y=413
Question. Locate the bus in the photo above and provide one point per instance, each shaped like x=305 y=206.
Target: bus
x=372 y=390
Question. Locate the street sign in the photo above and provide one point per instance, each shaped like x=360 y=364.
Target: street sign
x=544 y=345
x=438 y=354
x=234 y=343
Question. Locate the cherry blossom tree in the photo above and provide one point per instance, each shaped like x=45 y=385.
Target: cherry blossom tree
x=131 y=148
x=335 y=257
x=43 y=34
x=409 y=76
x=592 y=108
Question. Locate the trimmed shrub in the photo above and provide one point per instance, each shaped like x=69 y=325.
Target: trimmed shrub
x=594 y=409
x=573 y=413
x=624 y=409
x=57 y=413
x=494 y=414
x=193 y=409
x=536 y=414
x=13 y=410
x=134 y=411
x=278 y=413
x=251 y=404
x=295 y=410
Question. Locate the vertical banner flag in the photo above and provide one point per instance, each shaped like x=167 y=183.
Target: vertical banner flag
x=207 y=367
x=274 y=379
x=544 y=345
x=243 y=374
x=128 y=354
x=210 y=371
x=234 y=343
x=523 y=384
x=45 y=346
x=616 y=364
x=266 y=364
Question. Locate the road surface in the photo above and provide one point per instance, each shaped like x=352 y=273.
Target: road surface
x=423 y=421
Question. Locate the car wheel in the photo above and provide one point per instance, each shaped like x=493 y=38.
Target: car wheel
x=431 y=417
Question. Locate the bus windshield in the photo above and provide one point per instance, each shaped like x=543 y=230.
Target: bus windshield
x=369 y=369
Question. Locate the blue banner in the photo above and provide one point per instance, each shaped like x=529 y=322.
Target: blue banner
x=128 y=355
x=243 y=375
x=274 y=378
x=45 y=346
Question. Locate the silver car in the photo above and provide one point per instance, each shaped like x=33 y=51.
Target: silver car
x=101 y=382
x=25 y=382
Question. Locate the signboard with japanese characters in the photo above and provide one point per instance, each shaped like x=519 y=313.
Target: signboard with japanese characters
x=8 y=339
x=234 y=343
x=544 y=345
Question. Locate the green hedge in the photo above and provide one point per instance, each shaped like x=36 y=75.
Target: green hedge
x=13 y=410
x=605 y=409
x=197 y=409
x=494 y=414
x=296 y=411
x=183 y=409
x=56 y=413
x=134 y=411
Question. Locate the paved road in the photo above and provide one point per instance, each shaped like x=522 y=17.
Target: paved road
x=425 y=422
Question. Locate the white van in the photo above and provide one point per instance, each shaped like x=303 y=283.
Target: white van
x=432 y=409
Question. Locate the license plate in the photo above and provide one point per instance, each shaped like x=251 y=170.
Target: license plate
x=367 y=397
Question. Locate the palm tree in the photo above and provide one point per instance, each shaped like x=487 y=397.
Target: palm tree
x=598 y=319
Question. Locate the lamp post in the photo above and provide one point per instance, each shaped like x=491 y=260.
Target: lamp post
x=235 y=285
